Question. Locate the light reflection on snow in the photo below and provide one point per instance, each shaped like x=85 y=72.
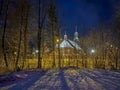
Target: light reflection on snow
x=68 y=79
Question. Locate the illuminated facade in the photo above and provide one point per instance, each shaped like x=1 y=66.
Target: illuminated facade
x=68 y=52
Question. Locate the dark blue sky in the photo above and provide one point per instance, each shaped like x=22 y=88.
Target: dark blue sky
x=84 y=14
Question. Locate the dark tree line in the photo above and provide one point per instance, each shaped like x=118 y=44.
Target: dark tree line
x=48 y=29
x=17 y=31
x=14 y=30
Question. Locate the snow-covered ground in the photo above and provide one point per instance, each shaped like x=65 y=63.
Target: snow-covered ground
x=62 y=79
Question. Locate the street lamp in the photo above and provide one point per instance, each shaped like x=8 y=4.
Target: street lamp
x=92 y=51
x=36 y=51
x=58 y=42
x=15 y=53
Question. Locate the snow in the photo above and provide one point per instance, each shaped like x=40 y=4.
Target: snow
x=62 y=79
x=75 y=44
x=65 y=44
x=69 y=44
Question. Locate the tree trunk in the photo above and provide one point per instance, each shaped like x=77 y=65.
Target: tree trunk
x=53 y=42
x=41 y=20
x=39 y=38
x=25 y=36
x=20 y=39
x=39 y=48
x=3 y=37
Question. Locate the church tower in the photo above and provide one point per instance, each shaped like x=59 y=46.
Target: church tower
x=65 y=36
x=76 y=35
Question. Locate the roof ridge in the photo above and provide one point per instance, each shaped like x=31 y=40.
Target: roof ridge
x=71 y=44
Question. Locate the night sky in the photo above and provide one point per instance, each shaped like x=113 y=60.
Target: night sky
x=84 y=14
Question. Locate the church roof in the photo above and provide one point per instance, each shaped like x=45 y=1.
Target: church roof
x=75 y=45
x=69 y=44
x=66 y=43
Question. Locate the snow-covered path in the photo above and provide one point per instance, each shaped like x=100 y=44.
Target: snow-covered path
x=63 y=79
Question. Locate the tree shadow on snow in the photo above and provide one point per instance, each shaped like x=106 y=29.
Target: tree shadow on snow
x=63 y=81
x=25 y=85
x=104 y=80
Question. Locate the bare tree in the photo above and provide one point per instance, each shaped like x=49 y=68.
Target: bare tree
x=52 y=24
x=26 y=14
x=4 y=34
x=20 y=39
x=42 y=13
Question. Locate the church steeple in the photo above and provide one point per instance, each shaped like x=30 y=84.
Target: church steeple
x=65 y=36
x=76 y=34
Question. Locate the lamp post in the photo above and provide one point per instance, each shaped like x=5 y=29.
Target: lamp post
x=59 y=62
x=15 y=53
x=92 y=52
x=36 y=51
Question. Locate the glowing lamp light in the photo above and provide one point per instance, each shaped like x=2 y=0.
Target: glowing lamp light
x=15 y=53
x=36 y=51
x=92 y=51
x=57 y=40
